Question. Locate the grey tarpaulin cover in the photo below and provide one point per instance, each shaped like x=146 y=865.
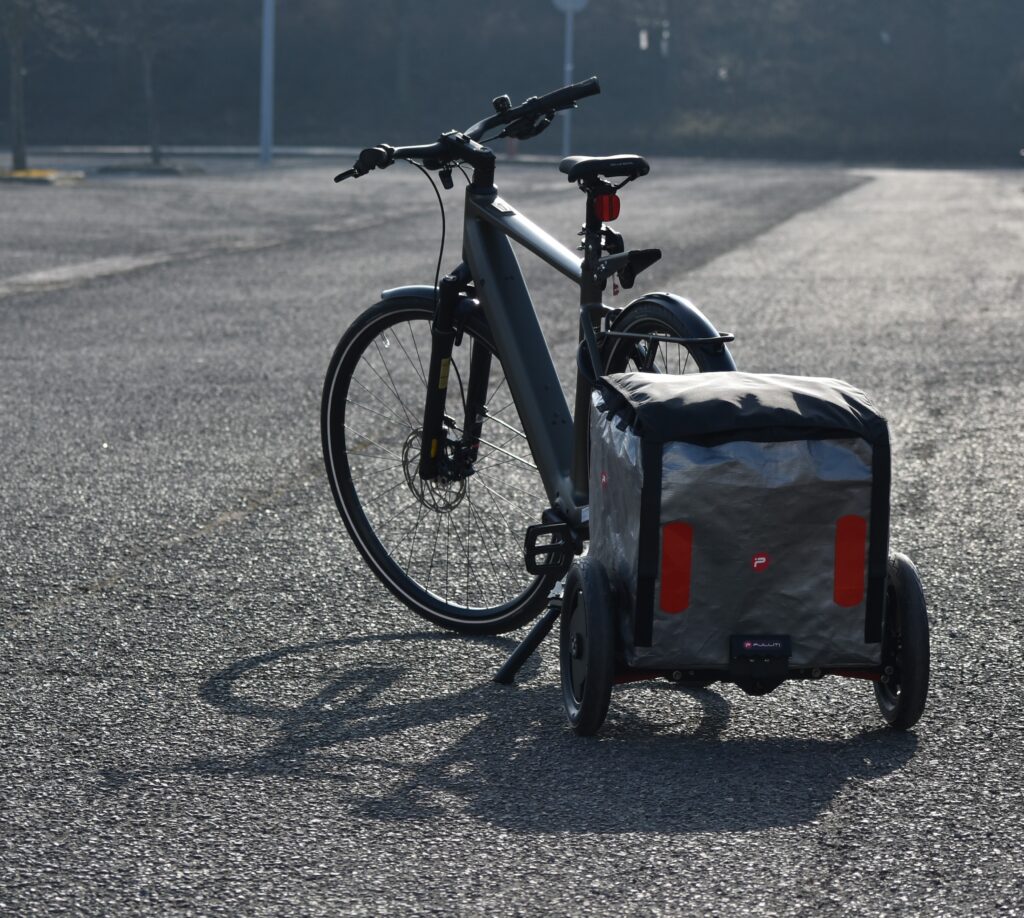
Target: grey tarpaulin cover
x=729 y=504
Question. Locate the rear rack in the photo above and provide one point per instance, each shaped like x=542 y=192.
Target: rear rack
x=723 y=338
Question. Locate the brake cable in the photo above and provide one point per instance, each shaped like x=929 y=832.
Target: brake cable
x=440 y=254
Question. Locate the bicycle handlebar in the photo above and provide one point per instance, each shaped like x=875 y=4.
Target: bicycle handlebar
x=525 y=120
x=550 y=103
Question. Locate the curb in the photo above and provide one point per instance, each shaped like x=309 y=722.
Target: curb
x=41 y=176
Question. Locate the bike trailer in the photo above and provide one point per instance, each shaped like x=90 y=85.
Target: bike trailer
x=742 y=523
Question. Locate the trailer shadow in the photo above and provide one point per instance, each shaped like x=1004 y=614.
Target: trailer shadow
x=504 y=755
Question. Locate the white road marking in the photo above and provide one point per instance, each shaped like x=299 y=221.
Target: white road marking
x=68 y=275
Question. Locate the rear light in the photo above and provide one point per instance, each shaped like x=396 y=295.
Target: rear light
x=606 y=206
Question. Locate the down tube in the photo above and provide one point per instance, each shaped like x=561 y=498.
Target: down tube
x=527 y=361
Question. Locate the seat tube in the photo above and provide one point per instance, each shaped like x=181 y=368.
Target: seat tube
x=591 y=291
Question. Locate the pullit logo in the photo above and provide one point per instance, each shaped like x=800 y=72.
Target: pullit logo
x=761 y=561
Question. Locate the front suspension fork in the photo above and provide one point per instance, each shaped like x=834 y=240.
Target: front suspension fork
x=446 y=333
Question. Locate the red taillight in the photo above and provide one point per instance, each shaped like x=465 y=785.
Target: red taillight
x=676 y=566
x=606 y=206
x=851 y=554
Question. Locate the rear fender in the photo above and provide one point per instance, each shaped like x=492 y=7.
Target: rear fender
x=717 y=357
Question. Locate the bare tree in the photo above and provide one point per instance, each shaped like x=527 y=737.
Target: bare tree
x=149 y=30
x=58 y=23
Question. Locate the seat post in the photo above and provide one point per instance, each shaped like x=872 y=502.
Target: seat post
x=593 y=237
x=591 y=293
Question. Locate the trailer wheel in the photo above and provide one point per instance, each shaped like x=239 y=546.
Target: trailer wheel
x=903 y=689
x=587 y=646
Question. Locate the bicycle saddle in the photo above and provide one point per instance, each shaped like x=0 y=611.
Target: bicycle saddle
x=626 y=165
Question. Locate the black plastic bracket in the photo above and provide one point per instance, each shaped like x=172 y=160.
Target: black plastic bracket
x=759 y=656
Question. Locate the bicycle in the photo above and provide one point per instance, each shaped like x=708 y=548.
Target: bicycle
x=473 y=531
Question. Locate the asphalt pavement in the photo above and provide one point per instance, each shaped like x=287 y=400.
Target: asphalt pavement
x=210 y=707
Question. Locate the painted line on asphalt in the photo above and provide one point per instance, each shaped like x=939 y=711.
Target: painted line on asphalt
x=69 y=275
x=97 y=268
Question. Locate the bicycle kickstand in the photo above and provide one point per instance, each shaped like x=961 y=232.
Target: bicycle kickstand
x=507 y=674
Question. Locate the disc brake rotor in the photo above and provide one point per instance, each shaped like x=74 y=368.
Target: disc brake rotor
x=441 y=494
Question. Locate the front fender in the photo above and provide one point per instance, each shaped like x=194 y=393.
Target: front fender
x=420 y=291
x=716 y=353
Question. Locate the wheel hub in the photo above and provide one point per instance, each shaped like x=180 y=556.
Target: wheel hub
x=442 y=494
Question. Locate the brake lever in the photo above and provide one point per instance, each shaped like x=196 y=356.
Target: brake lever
x=528 y=126
x=371 y=158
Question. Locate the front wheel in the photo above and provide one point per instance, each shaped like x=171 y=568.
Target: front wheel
x=451 y=548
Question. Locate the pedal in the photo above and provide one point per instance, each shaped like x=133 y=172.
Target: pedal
x=549 y=549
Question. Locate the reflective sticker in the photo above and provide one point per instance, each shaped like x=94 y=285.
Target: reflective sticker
x=676 y=566
x=443 y=381
x=851 y=552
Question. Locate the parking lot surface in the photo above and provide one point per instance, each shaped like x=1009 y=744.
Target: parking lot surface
x=209 y=706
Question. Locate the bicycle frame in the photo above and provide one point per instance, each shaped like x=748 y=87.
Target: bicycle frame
x=556 y=434
x=501 y=288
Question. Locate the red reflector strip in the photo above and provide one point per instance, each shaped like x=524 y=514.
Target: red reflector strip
x=851 y=554
x=676 y=566
x=606 y=206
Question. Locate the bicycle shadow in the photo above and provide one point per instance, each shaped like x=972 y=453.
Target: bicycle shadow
x=506 y=757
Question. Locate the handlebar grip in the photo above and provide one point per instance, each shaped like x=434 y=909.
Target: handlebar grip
x=375 y=158
x=567 y=95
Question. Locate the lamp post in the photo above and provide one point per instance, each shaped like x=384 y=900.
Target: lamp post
x=570 y=8
x=267 y=85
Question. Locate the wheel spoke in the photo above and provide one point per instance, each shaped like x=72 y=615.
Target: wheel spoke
x=372 y=443
x=393 y=388
x=497 y=420
x=377 y=398
x=422 y=375
x=505 y=452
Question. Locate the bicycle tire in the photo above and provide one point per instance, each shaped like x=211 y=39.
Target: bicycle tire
x=656 y=318
x=453 y=553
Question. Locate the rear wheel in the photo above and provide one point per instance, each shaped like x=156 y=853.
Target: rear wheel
x=450 y=548
x=905 y=650
x=652 y=321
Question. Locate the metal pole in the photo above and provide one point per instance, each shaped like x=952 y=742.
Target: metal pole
x=267 y=85
x=567 y=79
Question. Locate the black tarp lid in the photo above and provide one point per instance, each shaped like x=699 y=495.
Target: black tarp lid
x=707 y=406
